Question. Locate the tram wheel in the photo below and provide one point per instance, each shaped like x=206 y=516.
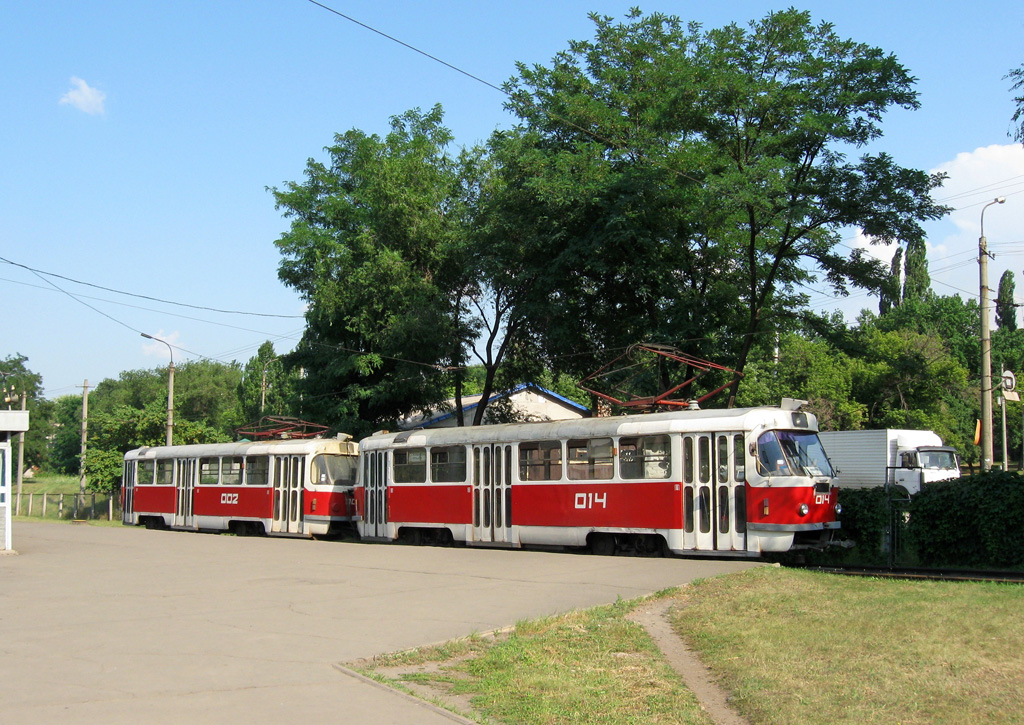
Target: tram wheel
x=602 y=544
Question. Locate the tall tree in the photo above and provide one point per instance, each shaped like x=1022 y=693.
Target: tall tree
x=379 y=250
x=737 y=138
x=1017 y=75
x=17 y=379
x=917 y=283
x=1006 y=307
x=266 y=387
x=890 y=296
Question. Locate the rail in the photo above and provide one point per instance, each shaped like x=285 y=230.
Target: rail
x=921 y=573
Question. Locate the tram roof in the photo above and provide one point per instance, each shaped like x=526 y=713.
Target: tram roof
x=246 y=448
x=682 y=421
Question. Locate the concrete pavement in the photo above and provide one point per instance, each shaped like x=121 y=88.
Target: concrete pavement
x=120 y=624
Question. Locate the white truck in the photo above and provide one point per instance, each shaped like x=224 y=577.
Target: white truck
x=907 y=458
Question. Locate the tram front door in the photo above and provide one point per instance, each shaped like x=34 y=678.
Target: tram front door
x=375 y=493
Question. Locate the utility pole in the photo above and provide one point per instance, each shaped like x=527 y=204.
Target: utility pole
x=986 y=345
x=170 y=388
x=85 y=417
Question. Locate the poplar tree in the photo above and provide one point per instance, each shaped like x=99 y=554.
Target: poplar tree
x=1006 y=308
x=916 y=280
x=891 y=296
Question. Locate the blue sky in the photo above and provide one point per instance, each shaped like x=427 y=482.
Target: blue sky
x=139 y=139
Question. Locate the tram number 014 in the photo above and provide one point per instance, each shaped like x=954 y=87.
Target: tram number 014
x=591 y=500
x=229 y=498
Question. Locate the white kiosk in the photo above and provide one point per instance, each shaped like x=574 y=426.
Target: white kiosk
x=11 y=422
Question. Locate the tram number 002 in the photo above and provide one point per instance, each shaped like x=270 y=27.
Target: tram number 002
x=591 y=500
x=229 y=498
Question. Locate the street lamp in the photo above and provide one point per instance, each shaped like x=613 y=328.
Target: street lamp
x=170 y=387
x=986 y=345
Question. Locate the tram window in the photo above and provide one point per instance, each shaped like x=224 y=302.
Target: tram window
x=688 y=460
x=645 y=457
x=411 y=465
x=590 y=460
x=334 y=470
x=723 y=509
x=145 y=474
x=704 y=508
x=257 y=471
x=739 y=470
x=540 y=461
x=704 y=458
x=741 y=509
x=165 y=472
x=209 y=471
x=688 y=509
x=231 y=471
x=448 y=464
x=723 y=459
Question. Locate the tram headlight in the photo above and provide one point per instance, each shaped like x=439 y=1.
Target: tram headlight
x=838 y=509
x=804 y=509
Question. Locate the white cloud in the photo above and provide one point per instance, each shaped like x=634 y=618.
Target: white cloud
x=156 y=348
x=84 y=97
x=976 y=178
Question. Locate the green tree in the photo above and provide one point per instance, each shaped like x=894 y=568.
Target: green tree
x=916 y=280
x=66 y=437
x=378 y=247
x=708 y=168
x=890 y=296
x=1017 y=75
x=17 y=379
x=205 y=391
x=266 y=387
x=908 y=380
x=812 y=370
x=1006 y=307
x=113 y=433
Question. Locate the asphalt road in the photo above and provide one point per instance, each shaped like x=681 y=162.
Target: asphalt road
x=112 y=625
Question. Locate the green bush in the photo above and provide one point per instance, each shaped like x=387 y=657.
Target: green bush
x=971 y=522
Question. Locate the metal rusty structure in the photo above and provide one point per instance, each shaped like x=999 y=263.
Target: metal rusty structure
x=276 y=427
x=624 y=374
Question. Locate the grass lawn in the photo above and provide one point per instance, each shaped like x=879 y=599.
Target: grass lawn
x=790 y=646
x=796 y=646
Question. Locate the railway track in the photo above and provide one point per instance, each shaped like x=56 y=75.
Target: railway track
x=928 y=574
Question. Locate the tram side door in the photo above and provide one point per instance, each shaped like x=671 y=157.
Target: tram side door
x=289 y=474
x=184 y=483
x=375 y=492
x=483 y=494
x=698 y=498
x=492 y=468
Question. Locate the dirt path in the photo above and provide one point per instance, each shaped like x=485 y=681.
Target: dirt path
x=652 y=616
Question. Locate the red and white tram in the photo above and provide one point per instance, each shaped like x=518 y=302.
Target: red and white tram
x=287 y=487
x=723 y=482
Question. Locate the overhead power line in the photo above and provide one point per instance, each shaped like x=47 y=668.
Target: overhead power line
x=40 y=273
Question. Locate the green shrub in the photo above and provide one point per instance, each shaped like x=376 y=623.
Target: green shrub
x=971 y=522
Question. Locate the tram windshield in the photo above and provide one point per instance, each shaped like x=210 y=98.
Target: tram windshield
x=334 y=469
x=792 y=453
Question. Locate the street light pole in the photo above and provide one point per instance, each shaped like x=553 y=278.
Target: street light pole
x=986 y=345
x=170 y=387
